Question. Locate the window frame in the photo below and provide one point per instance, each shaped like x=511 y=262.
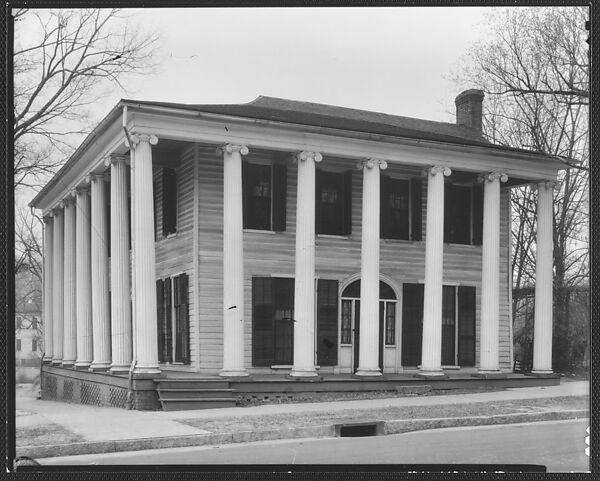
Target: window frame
x=277 y=195
x=475 y=225
x=344 y=180
x=171 y=205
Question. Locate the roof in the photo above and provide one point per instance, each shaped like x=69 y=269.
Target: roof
x=309 y=114
x=329 y=116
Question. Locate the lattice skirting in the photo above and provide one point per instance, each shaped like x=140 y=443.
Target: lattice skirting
x=58 y=388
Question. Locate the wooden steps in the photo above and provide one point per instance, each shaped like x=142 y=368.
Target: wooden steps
x=200 y=393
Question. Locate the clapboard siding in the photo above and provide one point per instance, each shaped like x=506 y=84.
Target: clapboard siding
x=335 y=258
x=175 y=254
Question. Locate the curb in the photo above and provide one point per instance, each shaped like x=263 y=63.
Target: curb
x=390 y=427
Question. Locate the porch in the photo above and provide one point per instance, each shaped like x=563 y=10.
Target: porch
x=179 y=390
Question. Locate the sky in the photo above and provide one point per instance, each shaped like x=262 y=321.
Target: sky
x=396 y=60
x=393 y=60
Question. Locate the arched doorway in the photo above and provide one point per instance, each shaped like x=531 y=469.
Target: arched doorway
x=350 y=319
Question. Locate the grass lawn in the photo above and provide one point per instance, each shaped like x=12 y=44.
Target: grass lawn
x=300 y=419
x=45 y=434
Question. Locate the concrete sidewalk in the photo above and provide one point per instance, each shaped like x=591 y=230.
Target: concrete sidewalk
x=111 y=429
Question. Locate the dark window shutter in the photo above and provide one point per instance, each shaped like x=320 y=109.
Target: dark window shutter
x=347 y=203
x=327 y=322
x=412 y=324
x=448 y=326
x=416 y=209
x=160 y=317
x=466 y=325
x=448 y=212
x=169 y=202
x=283 y=320
x=477 y=207
x=246 y=181
x=279 y=196
x=182 y=325
x=167 y=329
x=318 y=207
x=262 y=321
x=384 y=211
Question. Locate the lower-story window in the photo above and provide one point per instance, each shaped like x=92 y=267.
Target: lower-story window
x=273 y=321
x=458 y=325
x=173 y=319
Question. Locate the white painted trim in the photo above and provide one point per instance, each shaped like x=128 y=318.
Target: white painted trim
x=332 y=236
x=258 y=231
x=196 y=254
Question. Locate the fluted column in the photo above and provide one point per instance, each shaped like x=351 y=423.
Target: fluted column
x=69 y=312
x=146 y=336
x=542 y=328
x=233 y=261
x=490 y=274
x=100 y=294
x=48 y=281
x=431 y=358
x=119 y=266
x=83 y=276
x=368 y=356
x=58 y=287
x=304 y=283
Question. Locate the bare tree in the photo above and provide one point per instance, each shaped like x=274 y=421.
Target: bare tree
x=534 y=71
x=64 y=62
x=60 y=69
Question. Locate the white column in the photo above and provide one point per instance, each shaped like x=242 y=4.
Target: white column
x=233 y=261
x=146 y=337
x=69 y=310
x=57 y=287
x=490 y=274
x=304 y=283
x=368 y=356
x=100 y=295
x=431 y=357
x=542 y=328
x=48 y=281
x=83 y=276
x=119 y=266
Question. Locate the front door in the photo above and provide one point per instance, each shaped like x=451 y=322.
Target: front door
x=356 y=335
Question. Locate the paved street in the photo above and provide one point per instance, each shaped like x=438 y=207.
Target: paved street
x=559 y=445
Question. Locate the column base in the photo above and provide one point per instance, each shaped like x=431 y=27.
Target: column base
x=541 y=374
x=99 y=367
x=368 y=372
x=431 y=373
x=119 y=368
x=82 y=365
x=303 y=372
x=233 y=373
x=490 y=374
x=47 y=360
x=152 y=371
x=56 y=362
x=68 y=364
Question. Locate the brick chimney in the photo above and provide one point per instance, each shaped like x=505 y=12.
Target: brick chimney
x=469 y=109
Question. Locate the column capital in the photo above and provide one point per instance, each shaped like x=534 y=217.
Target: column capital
x=47 y=219
x=82 y=188
x=492 y=176
x=58 y=210
x=437 y=169
x=231 y=148
x=115 y=158
x=371 y=163
x=548 y=184
x=135 y=139
x=95 y=176
x=308 y=155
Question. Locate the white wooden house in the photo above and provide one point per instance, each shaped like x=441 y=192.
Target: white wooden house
x=285 y=237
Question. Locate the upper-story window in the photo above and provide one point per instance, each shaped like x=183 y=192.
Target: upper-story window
x=400 y=211
x=333 y=203
x=264 y=191
x=463 y=214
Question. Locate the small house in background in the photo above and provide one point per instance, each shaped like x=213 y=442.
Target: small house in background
x=28 y=341
x=252 y=246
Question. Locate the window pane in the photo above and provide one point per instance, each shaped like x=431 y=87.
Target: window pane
x=329 y=199
x=457 y=214
x=390 y=324
x=346 y=321
x=397 y=208
x=258 y=189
